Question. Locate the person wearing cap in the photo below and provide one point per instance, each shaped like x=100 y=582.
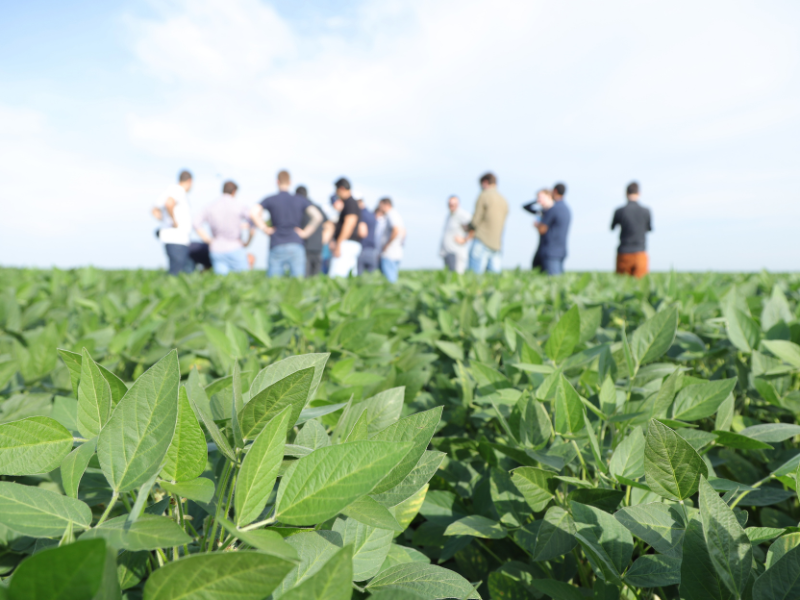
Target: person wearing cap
x=345 y=247
x=286 y=211
x=313 y=243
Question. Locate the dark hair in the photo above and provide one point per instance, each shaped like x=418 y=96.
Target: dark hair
x=385 y=200
x=633 y=188
x=184 y=176
x=283 y=177
x=488 y=178
x=560 y=189
x=301 y=191
x=229 y=187
x=342 y=183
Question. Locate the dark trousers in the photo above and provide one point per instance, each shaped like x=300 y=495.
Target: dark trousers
x=369 y=260
x=313 y=262
x=178 y=257
x=537 y=261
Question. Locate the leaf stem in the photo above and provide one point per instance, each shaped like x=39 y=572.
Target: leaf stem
x=260 y=524
x=489 y=551
x=111 y=504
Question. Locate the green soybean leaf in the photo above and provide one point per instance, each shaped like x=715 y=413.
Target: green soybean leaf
x=788 y=352
x=370 y=546
x=657 y=524
x=37 y=512
x=199 y=489
x=260 y=468
x=507 y=499
x=771 y=432
x=782 y=580
x=73 y=362
x=607 y=544
x=743 y=331
x=370 y=512
x=556 y=535
x=202 y=409
x=654 y=337
x=701 y=400
x=429 y=581
x=71 y=572
x=148 y=532
x=422 y=473
x=654 y=570
x=132 y=445
x=568 y=407
x=476 y=526
x=283 y=368
x=536 y=486
x=699 y=578
x=237 y=404
x=628 y=458
x=187 y=453
x=416 y=430
x=33 y=445
x=564 y=336
x=314 y=549
x=221 y=576
x=558 y=590
x=672 y=467
x=332 y=582
x=727 y=543
x=735 y=440
x=115 y=384
x=74 y=466
x=530 y=422
x=759 y=535
x=379 y=412
x=291 y=391
x=329 y=479
x=780 y=547
x=94 y=398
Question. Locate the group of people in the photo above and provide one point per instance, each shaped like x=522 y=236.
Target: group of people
x=349 y=238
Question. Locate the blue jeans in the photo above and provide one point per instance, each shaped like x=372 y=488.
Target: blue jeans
x=390 y=269
x=226 y=262
x=368 y=260
x=553 y=266
x=287 y=256
x=178 y=257
x=481 y=258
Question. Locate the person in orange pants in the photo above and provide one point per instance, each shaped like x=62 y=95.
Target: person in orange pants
x=634 y=223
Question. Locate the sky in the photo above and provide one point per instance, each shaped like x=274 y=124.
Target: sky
x=102 y=104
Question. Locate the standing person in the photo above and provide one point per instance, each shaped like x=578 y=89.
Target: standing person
x=174 y=213
x=369 y=259
x=312 y=243
x=225 y=218
x=345 y=246
x=543 y=203
x=554 y=227
x=634 y=223
x=454 y=248
x=487 y=225
x=286 y=250
x=394 y=238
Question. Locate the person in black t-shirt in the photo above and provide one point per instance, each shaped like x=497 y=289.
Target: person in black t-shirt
x=634 y=222
x=345 y=246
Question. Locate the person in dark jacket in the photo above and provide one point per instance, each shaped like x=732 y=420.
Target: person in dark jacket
x=554 y=228
x=634 y=223
x=312 y=243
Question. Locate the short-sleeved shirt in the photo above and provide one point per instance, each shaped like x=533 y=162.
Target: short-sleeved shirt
x=395 y=249
x=286 y=212
x=183 y=217
x=225 y=217
x=313 y=242
x=554 y=243
x=368 y=217
x=634 y=223
x=455 y=226
x=350 y=208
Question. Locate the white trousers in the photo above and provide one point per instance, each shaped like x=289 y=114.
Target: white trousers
x=347 y=262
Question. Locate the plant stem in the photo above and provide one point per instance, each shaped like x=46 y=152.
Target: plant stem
x=744 y=493
x=489 y=550
x=220 y=495
x=263 y=523
x=111 y=504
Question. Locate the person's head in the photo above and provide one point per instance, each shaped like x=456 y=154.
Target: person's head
x=378 y=211
x=545 y=199
x=229 y=188
x=301 y=191
x=452 y=203
x=361 y=203
x=488 y=180
x=343 y=188
x=284 y=181
x=632 y=191
x=559 y=190
x=385 y=205
x=185 y=180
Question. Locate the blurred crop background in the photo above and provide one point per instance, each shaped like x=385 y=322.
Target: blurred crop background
x=102 y=103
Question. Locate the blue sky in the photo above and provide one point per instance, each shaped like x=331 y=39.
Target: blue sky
x=102 y=104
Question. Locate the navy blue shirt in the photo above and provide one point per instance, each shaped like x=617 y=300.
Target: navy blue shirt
x=554 y=243
x=368 y=217
x=634 y=223
x=286 y=212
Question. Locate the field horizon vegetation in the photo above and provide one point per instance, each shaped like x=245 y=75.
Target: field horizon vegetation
x=509 y=437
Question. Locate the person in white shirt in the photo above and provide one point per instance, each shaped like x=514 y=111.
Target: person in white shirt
x=392 y=242
x=178 y=218
x=454 y=250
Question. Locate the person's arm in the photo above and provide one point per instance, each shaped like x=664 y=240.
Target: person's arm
x=397 y=232
x=649 y=221
x=198 y=227
x=328 y=227
x=315 y=219
x=529 y=207
x=348 y=226
x=363 y=230
x=548 y=218
x=251 y=231
x=170 y=206
x=256 y=216
x=615 y=220
x=157 y=214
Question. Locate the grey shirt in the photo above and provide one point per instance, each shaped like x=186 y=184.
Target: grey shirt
x=225 y=217
x=455 y=226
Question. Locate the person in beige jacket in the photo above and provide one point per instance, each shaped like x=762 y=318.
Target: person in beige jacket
x=486 y=228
